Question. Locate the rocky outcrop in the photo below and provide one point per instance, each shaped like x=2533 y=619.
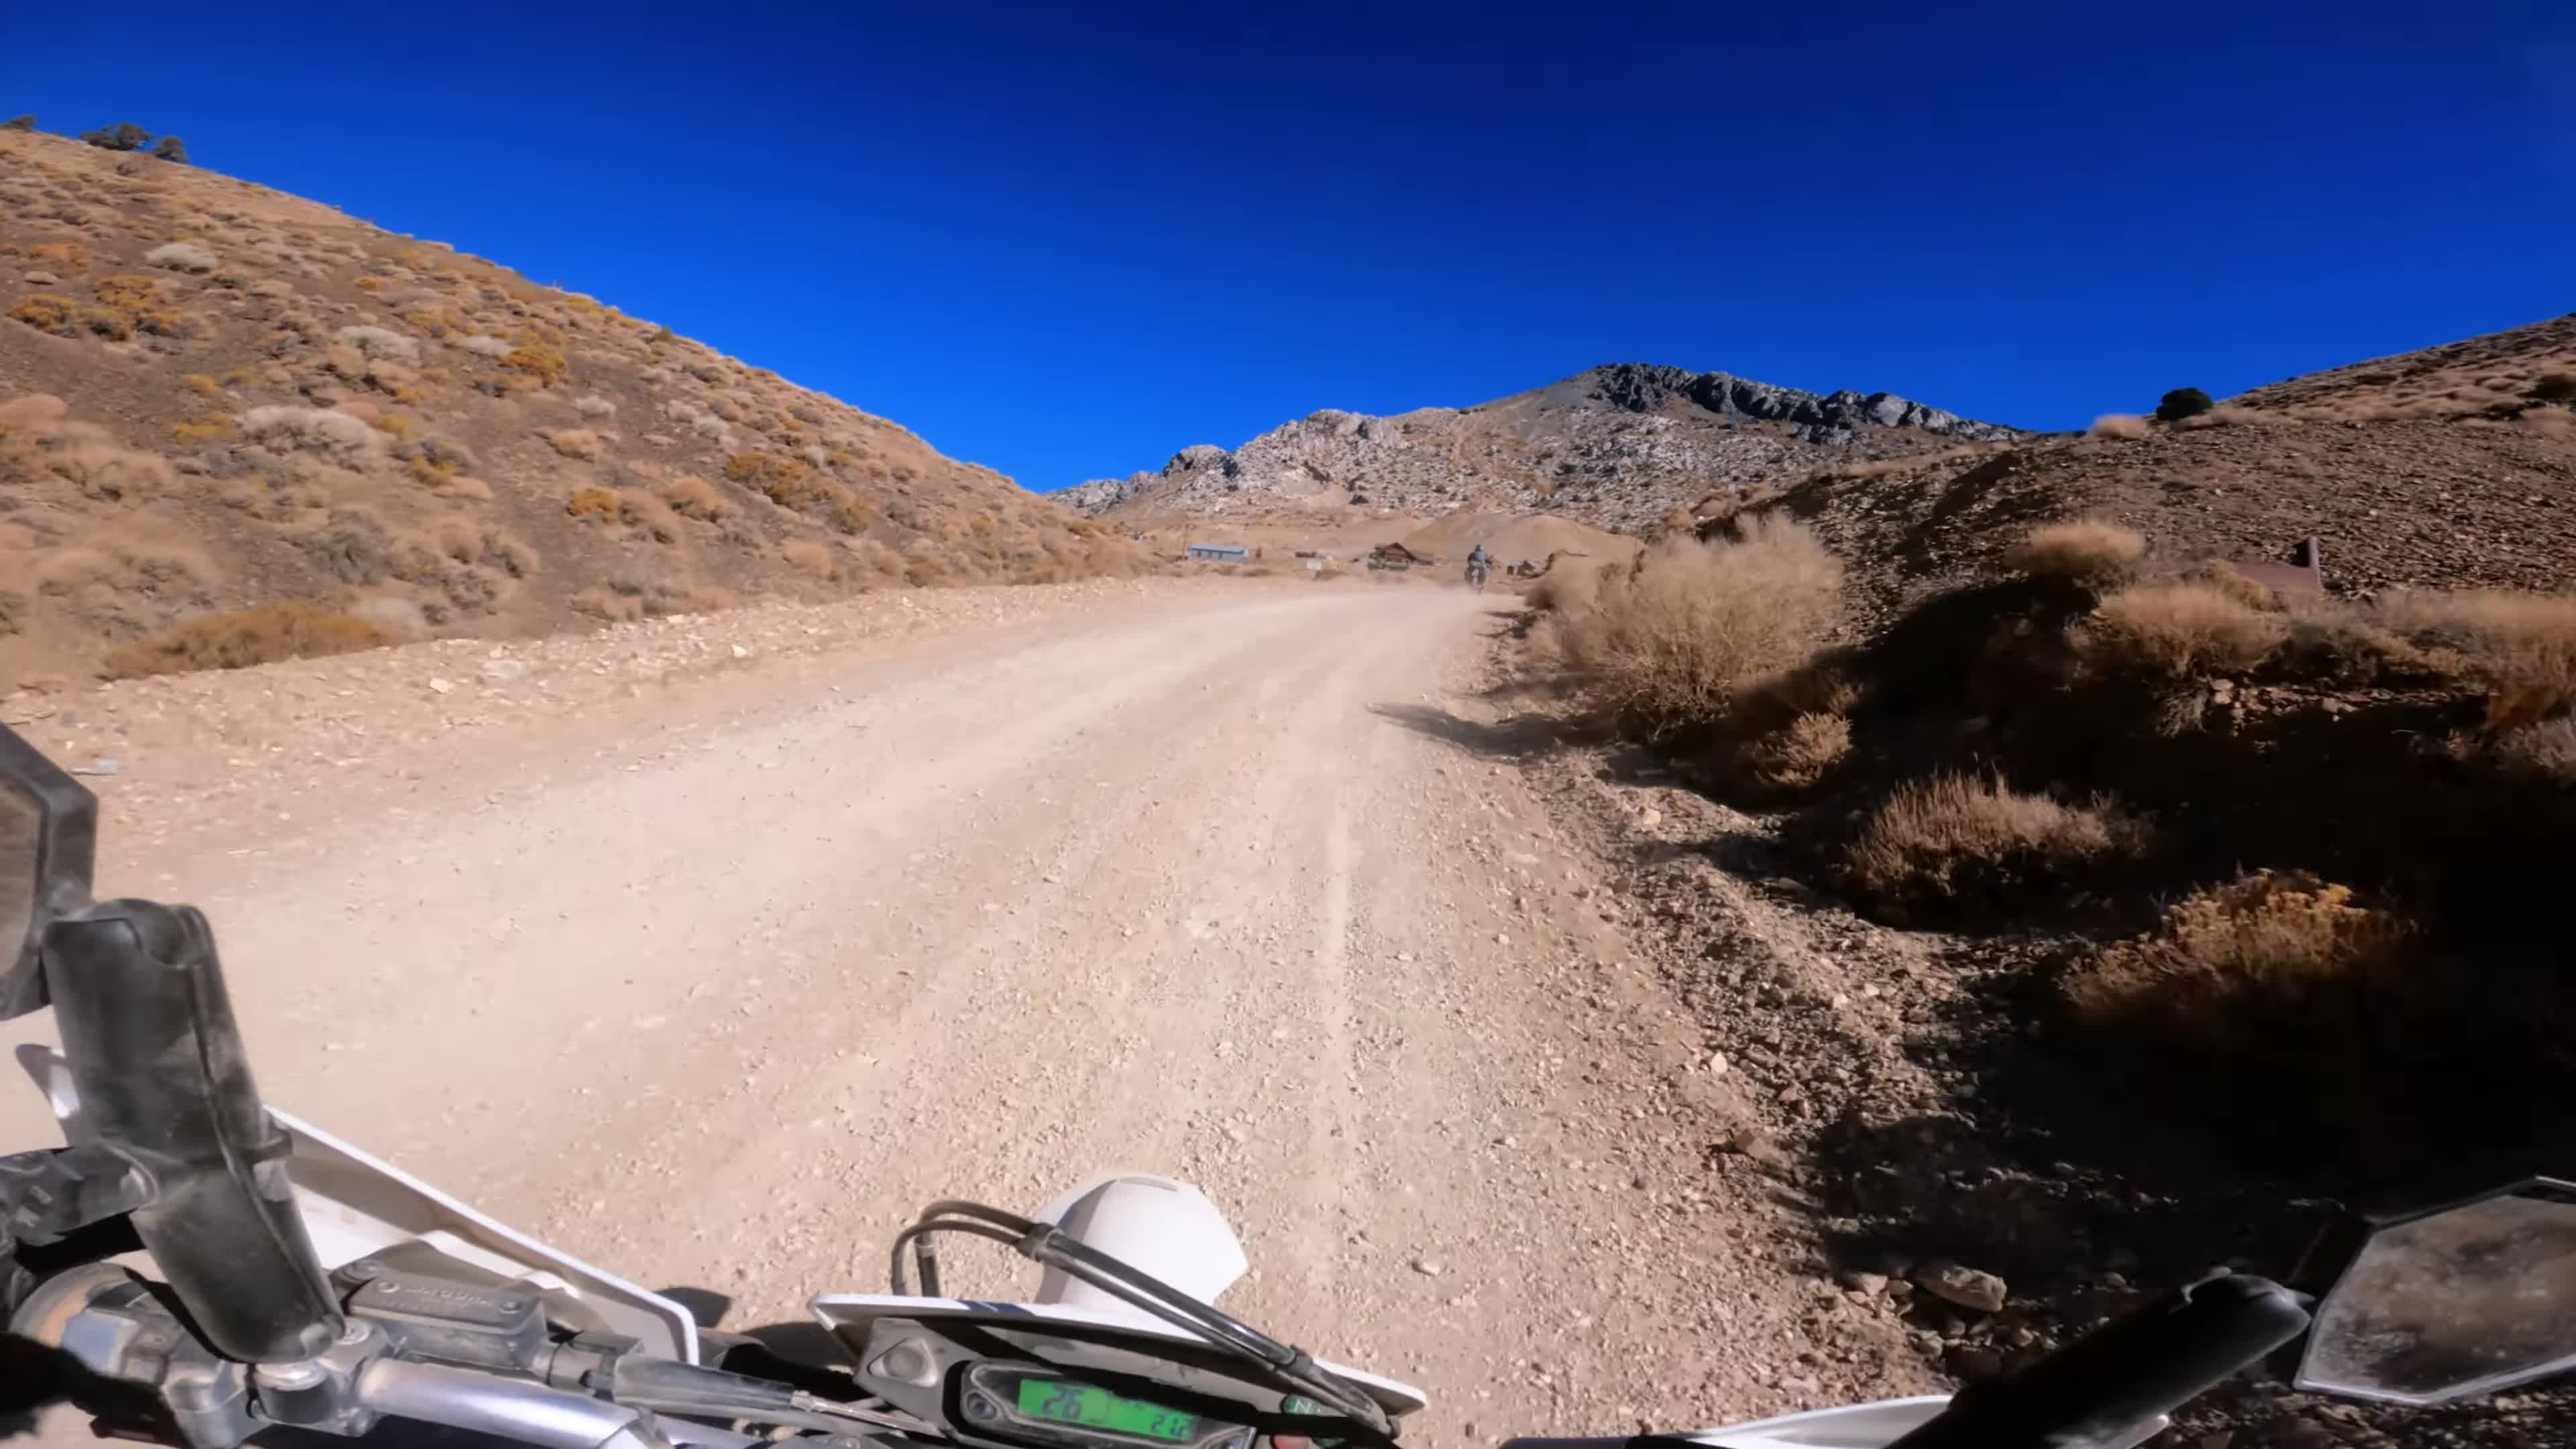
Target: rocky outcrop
x=1617 y=446
x=1819 y=418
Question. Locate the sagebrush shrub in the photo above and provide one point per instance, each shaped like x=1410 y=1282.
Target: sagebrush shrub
x=2177 y=631
x=1953 y=837
x=537 y=360
x=694 y=497
x=2522 y=647
x=48 y=313
x=123 y=136
x=382 y=343
x=2085 y=551
x=1673 y=639
x=1800 y=753
x=343 y=439
x=810 y=558
x=181 y=257
x=239 y=638
x=2183 y=402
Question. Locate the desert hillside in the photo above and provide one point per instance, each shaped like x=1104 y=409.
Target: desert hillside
x=2446 y=468
x=2109 y=855
x=215 y=397
x=1616 y=447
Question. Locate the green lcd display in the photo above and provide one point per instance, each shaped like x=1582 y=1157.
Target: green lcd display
x=1059 y=1402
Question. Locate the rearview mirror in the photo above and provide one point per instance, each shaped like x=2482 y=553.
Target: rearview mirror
x=48 y=836
x=2453 y=1303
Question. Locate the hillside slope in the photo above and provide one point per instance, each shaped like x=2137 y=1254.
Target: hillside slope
x=1617 y=447
x=215 y=395
x=2438 y=469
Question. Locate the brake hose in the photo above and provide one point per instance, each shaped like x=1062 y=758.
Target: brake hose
x=1047 y=1244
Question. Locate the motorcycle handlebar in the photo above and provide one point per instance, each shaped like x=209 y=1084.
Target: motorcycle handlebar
x=2120 y=1377
x=531 y=1413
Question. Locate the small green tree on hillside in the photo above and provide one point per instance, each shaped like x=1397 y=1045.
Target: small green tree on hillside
x=26 y=122
x=123 y=136
x=2183 y=402
x=171 y=148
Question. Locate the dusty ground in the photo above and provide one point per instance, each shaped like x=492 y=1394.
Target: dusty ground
x=713 y=948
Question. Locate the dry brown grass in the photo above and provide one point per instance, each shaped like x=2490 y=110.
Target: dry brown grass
x=2261 y=933
x=546 y=365
x=602 y=602
x=1801 y=752
x=787 y=481
x=2522 y=647
x=2225 y=415
x=239 y=638
x=2268 y=971
x=594 y=505
x=63 y=258
x=48 y=313
x=129 y=291
x=2087 y=551
x=1673 y=640
x=579 y=443
x=2176 y=631
x=337 y=436
x=2547 y=749
x=812 y=559
x=211 y=427
x=1951 y=838
x=694 y=497
x=2119 y=425
x=2227 y=579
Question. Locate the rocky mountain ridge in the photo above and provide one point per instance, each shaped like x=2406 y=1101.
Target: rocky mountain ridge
x=1616 y=446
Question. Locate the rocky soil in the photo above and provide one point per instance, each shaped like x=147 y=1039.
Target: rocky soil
x=1897 y=1098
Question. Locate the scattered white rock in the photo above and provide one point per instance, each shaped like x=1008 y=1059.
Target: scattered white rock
x=1965 y=1286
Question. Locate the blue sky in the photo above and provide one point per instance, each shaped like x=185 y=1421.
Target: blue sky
x=1068 y=240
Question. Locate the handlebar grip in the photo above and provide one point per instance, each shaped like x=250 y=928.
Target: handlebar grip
x=158 y=1062
x=2125 y=1374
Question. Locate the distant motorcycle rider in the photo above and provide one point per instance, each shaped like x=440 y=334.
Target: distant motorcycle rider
x=1479 y=563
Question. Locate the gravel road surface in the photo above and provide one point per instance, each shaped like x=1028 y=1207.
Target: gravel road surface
x=716 y=983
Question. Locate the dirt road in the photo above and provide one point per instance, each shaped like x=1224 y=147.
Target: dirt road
x=718 y=986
